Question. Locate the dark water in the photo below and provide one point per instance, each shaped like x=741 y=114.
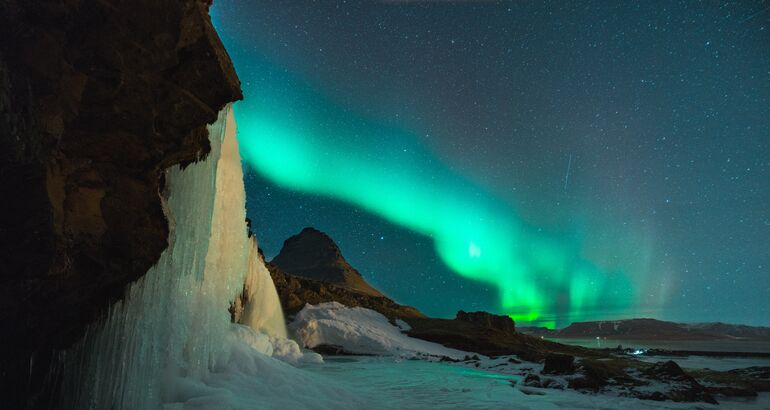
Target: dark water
x=692 y=361
x=690 y=345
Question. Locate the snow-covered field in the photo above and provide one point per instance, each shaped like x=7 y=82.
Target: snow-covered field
x=256 y=377
x=390 y=383
x=361 y=331
x=393 y=378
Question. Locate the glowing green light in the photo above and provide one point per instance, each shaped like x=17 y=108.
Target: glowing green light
x=473 y=250
x=304 y=142
x=524 y=317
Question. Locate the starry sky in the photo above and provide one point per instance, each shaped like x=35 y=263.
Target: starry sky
x=555 y=161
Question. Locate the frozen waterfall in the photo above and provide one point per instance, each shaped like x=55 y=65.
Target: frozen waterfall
x=263 y=310
x=173 y=328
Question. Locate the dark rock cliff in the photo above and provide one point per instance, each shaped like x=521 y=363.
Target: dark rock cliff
x=489 y=320
x=97 y=98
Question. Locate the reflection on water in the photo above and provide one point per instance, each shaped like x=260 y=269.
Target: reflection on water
x=714 y=363
x=696 y=345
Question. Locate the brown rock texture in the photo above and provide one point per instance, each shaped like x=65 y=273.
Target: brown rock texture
x=311 y=254
x=295 y=292
x=489 y=340
x=486 y=319
x=684 y=388
x=97 y=98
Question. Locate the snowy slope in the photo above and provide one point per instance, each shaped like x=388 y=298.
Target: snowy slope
x=361 y=331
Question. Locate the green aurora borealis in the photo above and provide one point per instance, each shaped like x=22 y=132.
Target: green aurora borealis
x=554 y=161
x=302 y=141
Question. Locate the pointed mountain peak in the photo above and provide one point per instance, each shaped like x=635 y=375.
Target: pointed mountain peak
x=312 y=254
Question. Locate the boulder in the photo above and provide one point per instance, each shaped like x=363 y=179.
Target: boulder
x=586 y=383
x=556 y=363
x=681 y=386
x=532 y=380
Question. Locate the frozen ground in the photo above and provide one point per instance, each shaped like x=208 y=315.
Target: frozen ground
x=252 y=379
x=391 y=380
x=260 y=375
x=390 y=383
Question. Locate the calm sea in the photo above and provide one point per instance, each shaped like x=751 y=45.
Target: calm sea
x=697 y=345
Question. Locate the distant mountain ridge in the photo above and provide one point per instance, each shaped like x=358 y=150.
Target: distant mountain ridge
x=311 y=254
x=653 y=329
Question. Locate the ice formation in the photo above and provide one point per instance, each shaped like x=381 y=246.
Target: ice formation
x=361 y=331
x=171 y=334
x=263 y=309
x=168 y=325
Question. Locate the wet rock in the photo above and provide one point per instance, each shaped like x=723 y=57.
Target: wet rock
x=755 y=372
x=586 y=383
x=549 y=383
x=679 y=386
x=333 y=350
x=559 y=364
x=731 y=391
x=668 y=370
x=532 y=380
x=531 y=392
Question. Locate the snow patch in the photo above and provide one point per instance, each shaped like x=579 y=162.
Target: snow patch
x=359 y=330
x=403 y=325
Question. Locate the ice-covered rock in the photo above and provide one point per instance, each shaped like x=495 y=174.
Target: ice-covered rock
x=170 y=341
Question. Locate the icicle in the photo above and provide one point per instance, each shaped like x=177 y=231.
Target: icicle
x=263 y=310
x=173 y=323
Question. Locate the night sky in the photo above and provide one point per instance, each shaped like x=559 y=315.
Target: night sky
x=554 y=161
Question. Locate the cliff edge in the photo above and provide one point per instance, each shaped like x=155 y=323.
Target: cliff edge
x=97 y=98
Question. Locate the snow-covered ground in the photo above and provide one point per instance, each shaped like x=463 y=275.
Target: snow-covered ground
x=390 y=383
x=361 y=331
x=260 y=374
x=254 y=379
